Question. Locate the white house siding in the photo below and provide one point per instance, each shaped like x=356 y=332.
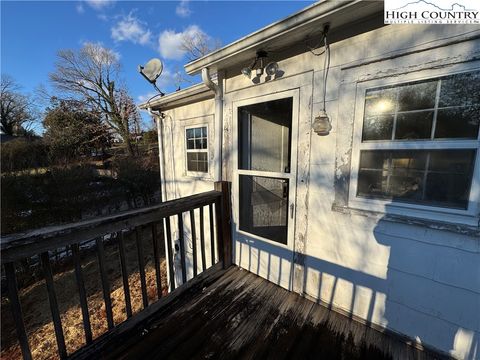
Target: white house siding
x=413 y=279
x=179 y=183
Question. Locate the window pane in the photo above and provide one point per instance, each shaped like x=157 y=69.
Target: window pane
x=202 y=162
x=371 y=183
x=449 y=190
x=264 y=136
x=391 y=174
x=378 y=127
x=412 y=160
x=452 y=161
x=416 y=125
x=430 y=177
x=189 y=133
x=449 y=177
x=380 y=102
x=197 y=161
x=264 y=207
x=459 y=122
x=203 y=143
x=406 y=184
x=204 y=131
x=190 y=144
x=460 y=89
x=192 y=161
x=198 y=132
x=198 y=143
x=372 y=159
x=417 y=96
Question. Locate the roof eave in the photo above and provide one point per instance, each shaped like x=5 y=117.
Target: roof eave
x=186 y=96
x=314 y=13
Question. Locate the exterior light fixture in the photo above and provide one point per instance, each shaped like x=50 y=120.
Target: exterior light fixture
x=321 y=124
x=270 y=69
x=151 y=71
x=247 y=72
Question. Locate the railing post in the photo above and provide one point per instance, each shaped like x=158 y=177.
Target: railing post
x=223 y=212
x=17 y=310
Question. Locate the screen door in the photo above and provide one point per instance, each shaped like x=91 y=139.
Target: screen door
x=265 y=176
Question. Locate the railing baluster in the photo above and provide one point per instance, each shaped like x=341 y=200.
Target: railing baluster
x=223 y=221
x=156 y=255
x=138 y=220
x=170 y=254
x=82 y=293
x=182 y=248
x=212 y=233
x=194 y=241
x=141 y=267
x=202 y=239
x=105 y=283
x=52 y=297
x=123 y=265
x=17 y=310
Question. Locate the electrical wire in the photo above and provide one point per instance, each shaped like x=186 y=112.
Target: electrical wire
x=154 y=96
x=326 y=67
x=312 y=48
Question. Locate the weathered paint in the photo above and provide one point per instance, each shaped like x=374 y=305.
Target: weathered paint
x=418 y=278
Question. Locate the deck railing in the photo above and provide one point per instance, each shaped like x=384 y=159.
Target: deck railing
x=111 y=232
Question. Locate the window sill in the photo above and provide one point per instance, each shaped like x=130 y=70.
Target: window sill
x=198 y=176
x=457 y=228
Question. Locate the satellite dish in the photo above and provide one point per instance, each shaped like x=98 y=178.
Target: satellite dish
x=151 y=71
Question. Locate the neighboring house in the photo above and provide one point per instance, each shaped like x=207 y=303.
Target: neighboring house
x=378 y=219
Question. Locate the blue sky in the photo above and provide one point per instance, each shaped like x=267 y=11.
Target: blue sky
x=33 y=31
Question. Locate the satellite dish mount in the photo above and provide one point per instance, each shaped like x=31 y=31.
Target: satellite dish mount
x=151 y=71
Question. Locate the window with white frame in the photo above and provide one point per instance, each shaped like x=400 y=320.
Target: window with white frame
x=196 y=141
x=419 y=142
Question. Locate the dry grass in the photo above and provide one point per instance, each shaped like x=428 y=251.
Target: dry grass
x=36 y=308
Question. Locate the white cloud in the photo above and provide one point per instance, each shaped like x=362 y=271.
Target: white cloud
x=99 y=4
x=102 y=17
x=170 y=42
x=129 y=28
x=183 y=9
x=80 y=9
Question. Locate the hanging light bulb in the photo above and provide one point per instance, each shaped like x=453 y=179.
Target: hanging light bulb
x=321 y=124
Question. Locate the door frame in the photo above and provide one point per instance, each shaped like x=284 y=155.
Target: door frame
x=292 y=272
x=292 y=178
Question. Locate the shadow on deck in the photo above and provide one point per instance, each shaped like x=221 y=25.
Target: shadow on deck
x=235 y=314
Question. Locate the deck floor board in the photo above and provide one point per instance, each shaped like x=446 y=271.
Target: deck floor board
x=242 y=316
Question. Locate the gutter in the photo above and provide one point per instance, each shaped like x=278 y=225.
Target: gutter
x=218 y=90
x=186 y=96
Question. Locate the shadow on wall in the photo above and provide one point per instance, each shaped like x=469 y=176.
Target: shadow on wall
x=415 y=305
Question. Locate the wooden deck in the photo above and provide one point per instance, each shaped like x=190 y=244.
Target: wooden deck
x=235 y=314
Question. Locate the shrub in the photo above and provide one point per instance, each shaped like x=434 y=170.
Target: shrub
x=139 y=176
x=22 y=154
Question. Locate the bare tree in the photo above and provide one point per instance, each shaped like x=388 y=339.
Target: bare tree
x=197 y=44
x=17 y=111
x=92 y=75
